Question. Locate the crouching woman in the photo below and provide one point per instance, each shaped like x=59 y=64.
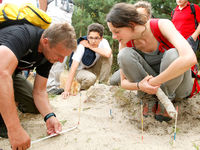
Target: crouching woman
x=159 y=56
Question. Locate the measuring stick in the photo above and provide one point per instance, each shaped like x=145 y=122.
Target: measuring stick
x=47 y=137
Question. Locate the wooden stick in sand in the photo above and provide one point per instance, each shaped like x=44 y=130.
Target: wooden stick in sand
x=166 y=103
x=175 y=124
x=79 y=113
x=141 y=104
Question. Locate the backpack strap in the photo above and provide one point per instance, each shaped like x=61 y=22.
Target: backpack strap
x=195 y=89
x=130 y=43
x=196 y=86
x=194 y=13
x=164 y=43
x=172 y=13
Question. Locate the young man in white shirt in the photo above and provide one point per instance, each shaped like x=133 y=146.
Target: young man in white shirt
x=92 y=59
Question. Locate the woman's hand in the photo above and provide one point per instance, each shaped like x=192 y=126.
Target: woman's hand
x=146 y=87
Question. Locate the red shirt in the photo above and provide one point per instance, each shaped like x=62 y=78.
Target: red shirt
x=164 y=43
x=0 y=1
x=184 y=20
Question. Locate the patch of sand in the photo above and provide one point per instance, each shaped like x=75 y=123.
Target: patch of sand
x=110 y=119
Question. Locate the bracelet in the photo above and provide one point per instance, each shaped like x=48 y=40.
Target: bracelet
x=138 y=85
x=48 y=116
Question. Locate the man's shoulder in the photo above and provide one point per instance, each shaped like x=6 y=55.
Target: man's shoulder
x=33 y=27
x=23 y=26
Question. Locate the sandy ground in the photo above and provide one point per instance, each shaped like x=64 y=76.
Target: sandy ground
x=110 y=119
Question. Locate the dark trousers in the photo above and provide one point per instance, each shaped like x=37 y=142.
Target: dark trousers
x=23 y=94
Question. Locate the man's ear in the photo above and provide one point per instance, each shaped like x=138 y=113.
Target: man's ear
x=45 y=41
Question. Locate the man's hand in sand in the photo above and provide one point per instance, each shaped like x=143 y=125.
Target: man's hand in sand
x=53 y=126
x=19 y=139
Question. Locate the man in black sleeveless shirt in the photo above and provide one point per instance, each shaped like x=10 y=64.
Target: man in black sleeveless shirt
x=27 y=47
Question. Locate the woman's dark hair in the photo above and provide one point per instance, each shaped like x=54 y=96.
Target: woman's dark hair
x=123 y=14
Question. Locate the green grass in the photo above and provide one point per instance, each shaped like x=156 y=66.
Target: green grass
x=87 y=108
x=196 y=146
x=51 y=96
x=63 y=122
x=177 y=130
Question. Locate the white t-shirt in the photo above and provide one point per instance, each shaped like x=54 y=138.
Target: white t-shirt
x=78 y=54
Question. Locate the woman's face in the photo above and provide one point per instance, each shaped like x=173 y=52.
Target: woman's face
x=124 y=34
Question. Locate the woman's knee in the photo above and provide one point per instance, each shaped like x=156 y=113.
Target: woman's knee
x=169 y=56
x=115 y=78
x=126 y=56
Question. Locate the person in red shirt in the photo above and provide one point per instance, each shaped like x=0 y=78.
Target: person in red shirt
x=184 y=21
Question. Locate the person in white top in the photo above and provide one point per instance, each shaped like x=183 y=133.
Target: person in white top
x=87 y=69
x=59 y=11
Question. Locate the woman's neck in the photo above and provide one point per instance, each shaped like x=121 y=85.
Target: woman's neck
x=147 y=42
x=144 y=31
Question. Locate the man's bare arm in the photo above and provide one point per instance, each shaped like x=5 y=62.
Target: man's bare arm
x=17 y=135
x=42 y=103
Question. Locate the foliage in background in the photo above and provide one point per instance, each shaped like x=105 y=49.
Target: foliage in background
x=90 y=11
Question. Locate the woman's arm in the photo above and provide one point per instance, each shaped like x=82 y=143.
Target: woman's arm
x=186 y=58
x=142 y=85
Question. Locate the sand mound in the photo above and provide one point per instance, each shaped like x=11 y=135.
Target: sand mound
x=110 y=119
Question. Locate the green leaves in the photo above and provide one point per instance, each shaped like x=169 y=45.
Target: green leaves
x=90 y=11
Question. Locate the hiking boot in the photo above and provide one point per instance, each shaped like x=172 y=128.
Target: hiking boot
x=56 y=91
x=149 y=108
x=3 y=129
x=161 y=113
